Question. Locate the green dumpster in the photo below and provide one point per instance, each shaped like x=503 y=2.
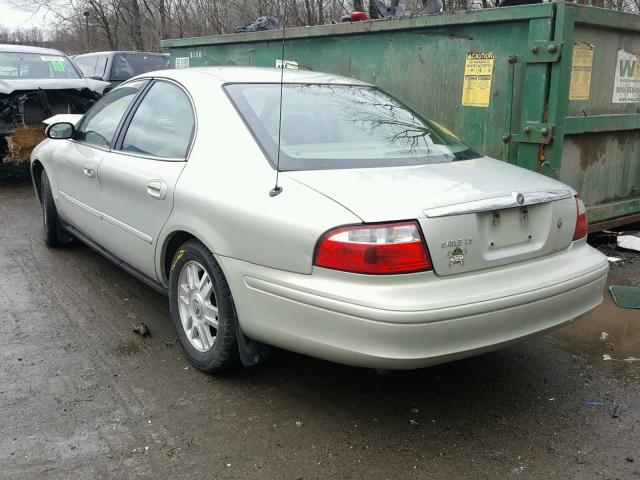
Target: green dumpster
x=552 y=87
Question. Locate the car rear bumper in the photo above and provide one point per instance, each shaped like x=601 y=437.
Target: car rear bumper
x=404 y=322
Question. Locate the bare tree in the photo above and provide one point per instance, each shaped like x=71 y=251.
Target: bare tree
x=141 y=24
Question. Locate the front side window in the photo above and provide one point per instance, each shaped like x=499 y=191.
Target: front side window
x=99 y=125
x=162 y=125
x=342 y=126
x=35 y=66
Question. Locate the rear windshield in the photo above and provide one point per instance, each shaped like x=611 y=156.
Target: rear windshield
x=127 y=65
x=14 y=66
x=342 y=126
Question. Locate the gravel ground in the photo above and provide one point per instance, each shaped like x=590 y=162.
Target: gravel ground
x=82 y=396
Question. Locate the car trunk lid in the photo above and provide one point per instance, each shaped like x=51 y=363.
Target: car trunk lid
x=470 y=212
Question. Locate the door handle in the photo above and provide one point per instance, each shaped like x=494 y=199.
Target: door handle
x=89 y=171
x=157 y=189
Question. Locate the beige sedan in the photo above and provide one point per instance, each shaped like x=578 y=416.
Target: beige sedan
x=373 y=236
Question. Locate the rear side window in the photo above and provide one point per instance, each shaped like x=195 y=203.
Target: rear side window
x=87 y=65
x=127 y=65
x=101 y=66
x=342 y=126
x=162 y=126
x=101 y=121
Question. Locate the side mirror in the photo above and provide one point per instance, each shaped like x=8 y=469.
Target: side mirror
x=95 y=77
x=60 y=131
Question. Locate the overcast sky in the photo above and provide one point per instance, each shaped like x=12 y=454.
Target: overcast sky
x=13 y=18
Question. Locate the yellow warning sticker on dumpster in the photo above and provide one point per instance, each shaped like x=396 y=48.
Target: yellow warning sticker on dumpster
x=581 y=67
x=478 y=70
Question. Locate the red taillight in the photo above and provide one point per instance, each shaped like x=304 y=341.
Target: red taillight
x=582 y=227
x=374 y=249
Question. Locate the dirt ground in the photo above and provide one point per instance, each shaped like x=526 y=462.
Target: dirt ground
x=83 y=397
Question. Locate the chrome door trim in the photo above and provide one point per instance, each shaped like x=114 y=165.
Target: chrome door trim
x=499 y=203
x=107 y=218
x=80 y=204
x=127 y=229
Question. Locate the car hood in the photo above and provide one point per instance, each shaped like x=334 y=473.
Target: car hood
x=398 y=193
x=9 y=86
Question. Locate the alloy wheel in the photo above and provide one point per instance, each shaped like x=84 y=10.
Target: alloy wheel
x=197 y=306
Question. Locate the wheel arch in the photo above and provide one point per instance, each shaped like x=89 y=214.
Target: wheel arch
x=170 y=246
x=251 y=352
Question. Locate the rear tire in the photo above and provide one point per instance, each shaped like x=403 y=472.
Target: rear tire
x=202 y=309
x=51 y=223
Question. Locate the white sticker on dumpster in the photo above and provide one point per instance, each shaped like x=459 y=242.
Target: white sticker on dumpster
x=289 y=64
x=626 y=84
x=478 y=70
x=182 y=62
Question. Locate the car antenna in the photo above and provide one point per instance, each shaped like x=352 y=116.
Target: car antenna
x=277 y=189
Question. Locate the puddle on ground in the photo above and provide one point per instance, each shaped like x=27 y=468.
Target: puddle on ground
x=608 y=338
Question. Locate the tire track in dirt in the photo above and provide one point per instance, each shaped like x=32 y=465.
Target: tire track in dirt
x=62 y=285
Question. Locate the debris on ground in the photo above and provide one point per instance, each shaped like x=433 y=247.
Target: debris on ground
x=259 y=24
x=593 y=403
x=627 y=360
x=142 y=329
x=616 y=411
x=629 y=242
x=617 y=251
x=626 y=296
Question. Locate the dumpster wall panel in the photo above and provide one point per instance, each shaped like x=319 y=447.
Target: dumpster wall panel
x=605 y=168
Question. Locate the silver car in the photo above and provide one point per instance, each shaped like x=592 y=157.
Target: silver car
x=373 y=236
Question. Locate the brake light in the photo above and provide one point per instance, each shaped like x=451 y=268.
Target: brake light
x=582 y=225
x=374 y=249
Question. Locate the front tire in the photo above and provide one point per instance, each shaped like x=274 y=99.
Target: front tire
x=51 y=224
x=202 y=309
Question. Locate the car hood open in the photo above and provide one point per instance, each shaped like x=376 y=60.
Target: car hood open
x=10 y=86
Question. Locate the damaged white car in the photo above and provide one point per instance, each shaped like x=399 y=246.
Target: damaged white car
x=373 y=236
x=36 y=83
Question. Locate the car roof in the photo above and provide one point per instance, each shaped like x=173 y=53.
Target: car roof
x=28 y=49
x=252 y=75
x=112 y=52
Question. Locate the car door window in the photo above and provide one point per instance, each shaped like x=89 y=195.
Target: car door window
x=100 y=123
x=162 y=126
x=86 y=64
